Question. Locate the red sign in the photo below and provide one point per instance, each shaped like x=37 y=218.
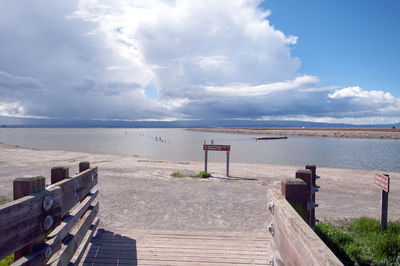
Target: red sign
x=207 y=147
x=382 y=181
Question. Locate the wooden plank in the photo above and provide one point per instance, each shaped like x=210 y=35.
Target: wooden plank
x=85 y=243
x=21 y=221
x=58 y=234
x=76 y=188
x=294 y=241
x=127 y=247
x=68 y=249
x=69 y=222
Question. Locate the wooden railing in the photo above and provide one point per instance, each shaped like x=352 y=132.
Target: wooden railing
x=291 y=219
x=294 y=242
x=50 y=225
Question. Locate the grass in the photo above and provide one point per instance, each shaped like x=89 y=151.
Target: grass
x=7 y=260
x=3 y=200
x=362 y=241
x=177 y=174
x=201 y=174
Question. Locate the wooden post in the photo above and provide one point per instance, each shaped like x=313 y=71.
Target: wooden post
x=83 y=166
x=314 y=189
x=59 y=173
x=205 y=161
x=227 y=164
x=23 y=187
x=296 y=193
x=384 y=208
x=306 y=176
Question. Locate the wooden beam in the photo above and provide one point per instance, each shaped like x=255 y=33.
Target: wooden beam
x=76 y=188
x=294 y=242
x=68 y=249
x=58 y=234
x=22 y=220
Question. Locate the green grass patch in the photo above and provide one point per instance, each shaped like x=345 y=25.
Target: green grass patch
x=362 y=241
x=203 y=174
x=7 y=260
x=3 y=200
x=176 y=174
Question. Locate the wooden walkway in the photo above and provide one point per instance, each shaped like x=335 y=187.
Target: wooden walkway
x=177 y=248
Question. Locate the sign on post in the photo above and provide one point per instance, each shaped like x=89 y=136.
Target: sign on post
x=212 y=147
x=208 y=147
x=382 y=181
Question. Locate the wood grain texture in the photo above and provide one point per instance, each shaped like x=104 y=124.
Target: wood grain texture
x=294 y=242
x=177 y=248
x=76 y=188
x=56 y=237
x=21 y=221
x=74 y=239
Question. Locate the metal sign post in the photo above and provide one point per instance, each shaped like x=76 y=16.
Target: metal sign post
x=213 y=147
x=382 y=181
x=227 y=163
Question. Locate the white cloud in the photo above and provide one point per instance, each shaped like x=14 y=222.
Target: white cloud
x=190 y=44
x=12 y=109
x=244 y=90
x=357 y=92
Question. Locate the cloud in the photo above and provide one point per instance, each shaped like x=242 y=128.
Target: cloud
x=11 y=109
x=201 y=59
x=189 y=45
x=358 y=93
x=244 y=90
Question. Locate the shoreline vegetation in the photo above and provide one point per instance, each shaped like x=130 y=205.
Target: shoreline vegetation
x=361 y=241
x=358 y=133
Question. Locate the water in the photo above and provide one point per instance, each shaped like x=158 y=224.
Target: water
x=180 y=144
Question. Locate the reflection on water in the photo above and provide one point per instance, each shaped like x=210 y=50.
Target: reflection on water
x=180 y=144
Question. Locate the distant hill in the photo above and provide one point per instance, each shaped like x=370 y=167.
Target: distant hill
x=28 y=122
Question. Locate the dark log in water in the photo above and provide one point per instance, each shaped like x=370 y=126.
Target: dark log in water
x=270 y=138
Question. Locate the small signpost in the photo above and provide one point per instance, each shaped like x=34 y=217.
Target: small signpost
x=212 y=147
x=382 y=181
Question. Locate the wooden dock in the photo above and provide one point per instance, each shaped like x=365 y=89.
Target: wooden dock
x=177 y=248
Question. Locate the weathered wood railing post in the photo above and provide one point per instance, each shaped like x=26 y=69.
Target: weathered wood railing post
x=301 y=194
x=22 y=187
x=83 y=166
x=296 y=193
x=59 y=173
x=314 y=189
x=306 y=176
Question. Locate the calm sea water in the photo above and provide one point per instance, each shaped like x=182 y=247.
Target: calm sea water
x=182 y=144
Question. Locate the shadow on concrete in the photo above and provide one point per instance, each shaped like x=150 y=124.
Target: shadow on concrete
x=110 y=248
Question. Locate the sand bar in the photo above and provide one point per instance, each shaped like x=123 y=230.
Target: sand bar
x=139 y=193
x=358 y=133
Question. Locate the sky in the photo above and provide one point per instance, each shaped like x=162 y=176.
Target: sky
x=322 y=61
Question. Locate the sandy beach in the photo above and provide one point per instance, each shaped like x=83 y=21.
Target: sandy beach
x=139 y=193
x=359 y=133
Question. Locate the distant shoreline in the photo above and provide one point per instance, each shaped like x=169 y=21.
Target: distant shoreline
x=357 y=133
